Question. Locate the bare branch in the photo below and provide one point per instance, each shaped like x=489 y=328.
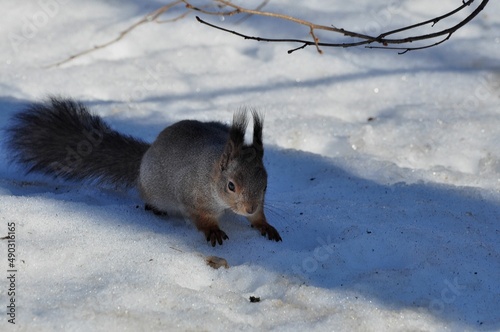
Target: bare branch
x=227 y=8
x=146 y=19
x=447 y=32
x=408 y=49
x=283 y=40
x=316 y=41
x=365 y=39
x=239 y=10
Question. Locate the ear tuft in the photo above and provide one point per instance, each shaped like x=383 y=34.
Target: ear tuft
x=236 y=138
x=238 y=128
x=258 y=124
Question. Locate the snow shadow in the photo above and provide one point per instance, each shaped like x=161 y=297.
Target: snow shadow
x=420 y=245
x=423 y=246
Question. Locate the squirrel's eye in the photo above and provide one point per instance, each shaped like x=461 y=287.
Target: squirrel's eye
x=231 y=186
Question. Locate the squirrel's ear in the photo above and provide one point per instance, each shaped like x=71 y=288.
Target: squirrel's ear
x=236 y=138
x=258 y=123
x=227 y=155
x=237 y=132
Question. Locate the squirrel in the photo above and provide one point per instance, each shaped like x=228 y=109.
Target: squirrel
x=193 y=169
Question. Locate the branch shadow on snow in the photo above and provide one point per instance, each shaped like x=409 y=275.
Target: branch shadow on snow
x=285 y=84
x=425 y=246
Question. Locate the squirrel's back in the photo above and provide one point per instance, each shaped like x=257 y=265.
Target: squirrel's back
x=60 y=137
x=182 y=157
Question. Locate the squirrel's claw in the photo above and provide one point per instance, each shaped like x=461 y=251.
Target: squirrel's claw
x=216 y=236
x=269 y=231
x=157 y=212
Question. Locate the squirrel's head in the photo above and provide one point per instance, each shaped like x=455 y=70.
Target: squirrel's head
x=242 y=176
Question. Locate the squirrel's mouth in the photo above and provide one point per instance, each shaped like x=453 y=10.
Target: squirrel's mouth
x=247 y=209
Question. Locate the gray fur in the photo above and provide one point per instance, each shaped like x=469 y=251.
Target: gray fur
x=195 y=169
x=198 y=154
x=61 y=138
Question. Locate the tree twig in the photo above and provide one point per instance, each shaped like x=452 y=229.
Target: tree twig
x=365 y=39
x=227 y=8
x=152 y=16
x=281 y=40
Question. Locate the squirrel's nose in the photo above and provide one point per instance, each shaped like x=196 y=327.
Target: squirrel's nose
x=251 y=208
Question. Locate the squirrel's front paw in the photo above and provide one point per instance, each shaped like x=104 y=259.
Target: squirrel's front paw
x=269 y=231
x=215 y=235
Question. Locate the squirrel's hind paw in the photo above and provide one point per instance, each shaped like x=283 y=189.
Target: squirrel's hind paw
x=157 y=212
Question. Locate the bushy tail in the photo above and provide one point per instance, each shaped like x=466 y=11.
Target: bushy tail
x=61 y=138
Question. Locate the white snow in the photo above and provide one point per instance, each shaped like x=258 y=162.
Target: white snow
x=384 y=174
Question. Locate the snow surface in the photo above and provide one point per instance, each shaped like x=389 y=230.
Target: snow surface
x=384 y=174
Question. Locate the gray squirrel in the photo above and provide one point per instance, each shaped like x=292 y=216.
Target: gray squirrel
x=193 y=169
